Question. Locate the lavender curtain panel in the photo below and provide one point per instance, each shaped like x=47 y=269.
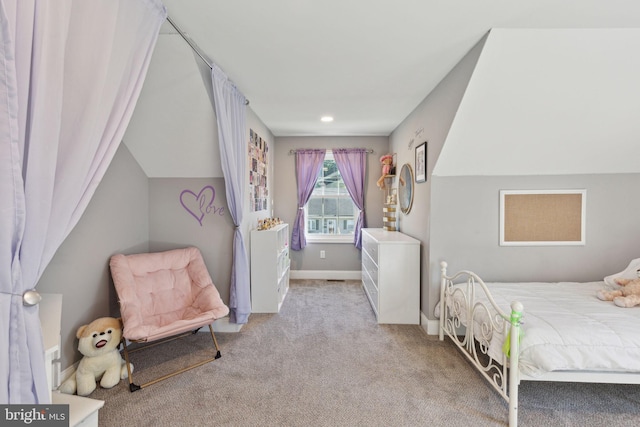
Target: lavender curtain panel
x=231 y=107
x=352 y=164
x=70 y=75
x=308 y=164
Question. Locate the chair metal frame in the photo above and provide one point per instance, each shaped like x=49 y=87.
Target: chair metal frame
x=135 y=387
x=175 y=283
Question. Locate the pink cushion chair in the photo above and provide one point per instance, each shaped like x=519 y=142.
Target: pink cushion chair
x=165 y=295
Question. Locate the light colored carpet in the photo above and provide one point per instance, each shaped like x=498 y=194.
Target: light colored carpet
x=324 y=361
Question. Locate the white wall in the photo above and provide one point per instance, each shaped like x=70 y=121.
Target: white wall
x=549 y=101
x=173 y=131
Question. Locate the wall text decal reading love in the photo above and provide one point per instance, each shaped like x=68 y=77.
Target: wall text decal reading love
x=198 y=205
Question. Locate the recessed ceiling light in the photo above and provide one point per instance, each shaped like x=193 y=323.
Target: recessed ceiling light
x=326 y=119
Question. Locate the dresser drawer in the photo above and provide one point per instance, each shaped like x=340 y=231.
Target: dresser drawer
x=369 y=267
x=371 y=291
x=370 y=246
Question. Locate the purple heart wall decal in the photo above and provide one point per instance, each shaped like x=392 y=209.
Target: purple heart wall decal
x=198 y=204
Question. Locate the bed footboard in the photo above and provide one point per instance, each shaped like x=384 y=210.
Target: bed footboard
x=476 y=325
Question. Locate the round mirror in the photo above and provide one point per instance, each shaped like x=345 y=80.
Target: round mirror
x=405 y=188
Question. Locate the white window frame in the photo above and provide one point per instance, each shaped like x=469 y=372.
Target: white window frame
x=328 y=238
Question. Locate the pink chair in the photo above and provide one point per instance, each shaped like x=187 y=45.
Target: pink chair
x=165 y=296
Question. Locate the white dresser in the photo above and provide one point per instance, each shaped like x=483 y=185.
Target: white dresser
x=269 y=268
x=391 y=275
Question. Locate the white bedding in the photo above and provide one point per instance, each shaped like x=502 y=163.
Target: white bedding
x=567 y=328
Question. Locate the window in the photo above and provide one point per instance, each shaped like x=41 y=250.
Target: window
x=330 y=212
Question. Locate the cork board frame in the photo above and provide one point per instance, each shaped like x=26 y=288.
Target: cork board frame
x=542 y=217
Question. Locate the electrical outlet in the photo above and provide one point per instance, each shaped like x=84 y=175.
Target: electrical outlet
x=322 y=255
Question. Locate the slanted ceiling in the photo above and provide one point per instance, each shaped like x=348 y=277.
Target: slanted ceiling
x=549 y=102
x=173 y=131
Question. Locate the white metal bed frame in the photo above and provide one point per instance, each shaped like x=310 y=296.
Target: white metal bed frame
x=477 y=321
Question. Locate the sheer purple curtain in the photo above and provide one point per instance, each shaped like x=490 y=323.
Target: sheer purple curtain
x=231 y=118
x=352 y=164
x=70 y=75
x=308 y=164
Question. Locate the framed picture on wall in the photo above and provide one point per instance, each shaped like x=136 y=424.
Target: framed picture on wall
x=421 y=162
x=258 y=161
x=542 y=217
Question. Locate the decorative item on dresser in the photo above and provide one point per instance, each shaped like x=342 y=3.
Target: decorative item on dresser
x=269 y=268
x=390 y=193
x=389 y=209
x=391 y=275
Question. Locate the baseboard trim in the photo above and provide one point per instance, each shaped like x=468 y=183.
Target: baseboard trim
x=224 y=325
x=326 y=274
x=66 y=374
x=431 y=327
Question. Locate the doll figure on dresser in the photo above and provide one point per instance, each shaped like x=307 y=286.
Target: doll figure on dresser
x=387 y=162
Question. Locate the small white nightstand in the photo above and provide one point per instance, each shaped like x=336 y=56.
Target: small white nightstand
x=83 y=411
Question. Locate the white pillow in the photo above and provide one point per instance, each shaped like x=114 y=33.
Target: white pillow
x=631 y=272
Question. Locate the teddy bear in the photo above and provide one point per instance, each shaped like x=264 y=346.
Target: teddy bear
x=387 y=162
x=98 y=342
x=627 y=296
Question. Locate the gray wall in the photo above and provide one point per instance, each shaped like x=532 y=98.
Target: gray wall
x=116 y=220
x=171 y=226
x=339 y=256
x=465 y=231
x=430 y=121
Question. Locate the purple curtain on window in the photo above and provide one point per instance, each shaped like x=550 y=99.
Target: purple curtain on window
x=308 y=164
x=352 y=164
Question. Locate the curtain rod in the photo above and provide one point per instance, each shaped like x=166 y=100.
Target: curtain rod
x=194 y=46
x=368 y=150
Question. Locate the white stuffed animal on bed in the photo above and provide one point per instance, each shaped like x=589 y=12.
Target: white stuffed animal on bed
x=627 y=296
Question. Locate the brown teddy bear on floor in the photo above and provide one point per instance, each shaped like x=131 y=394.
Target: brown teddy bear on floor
x=627 y=296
